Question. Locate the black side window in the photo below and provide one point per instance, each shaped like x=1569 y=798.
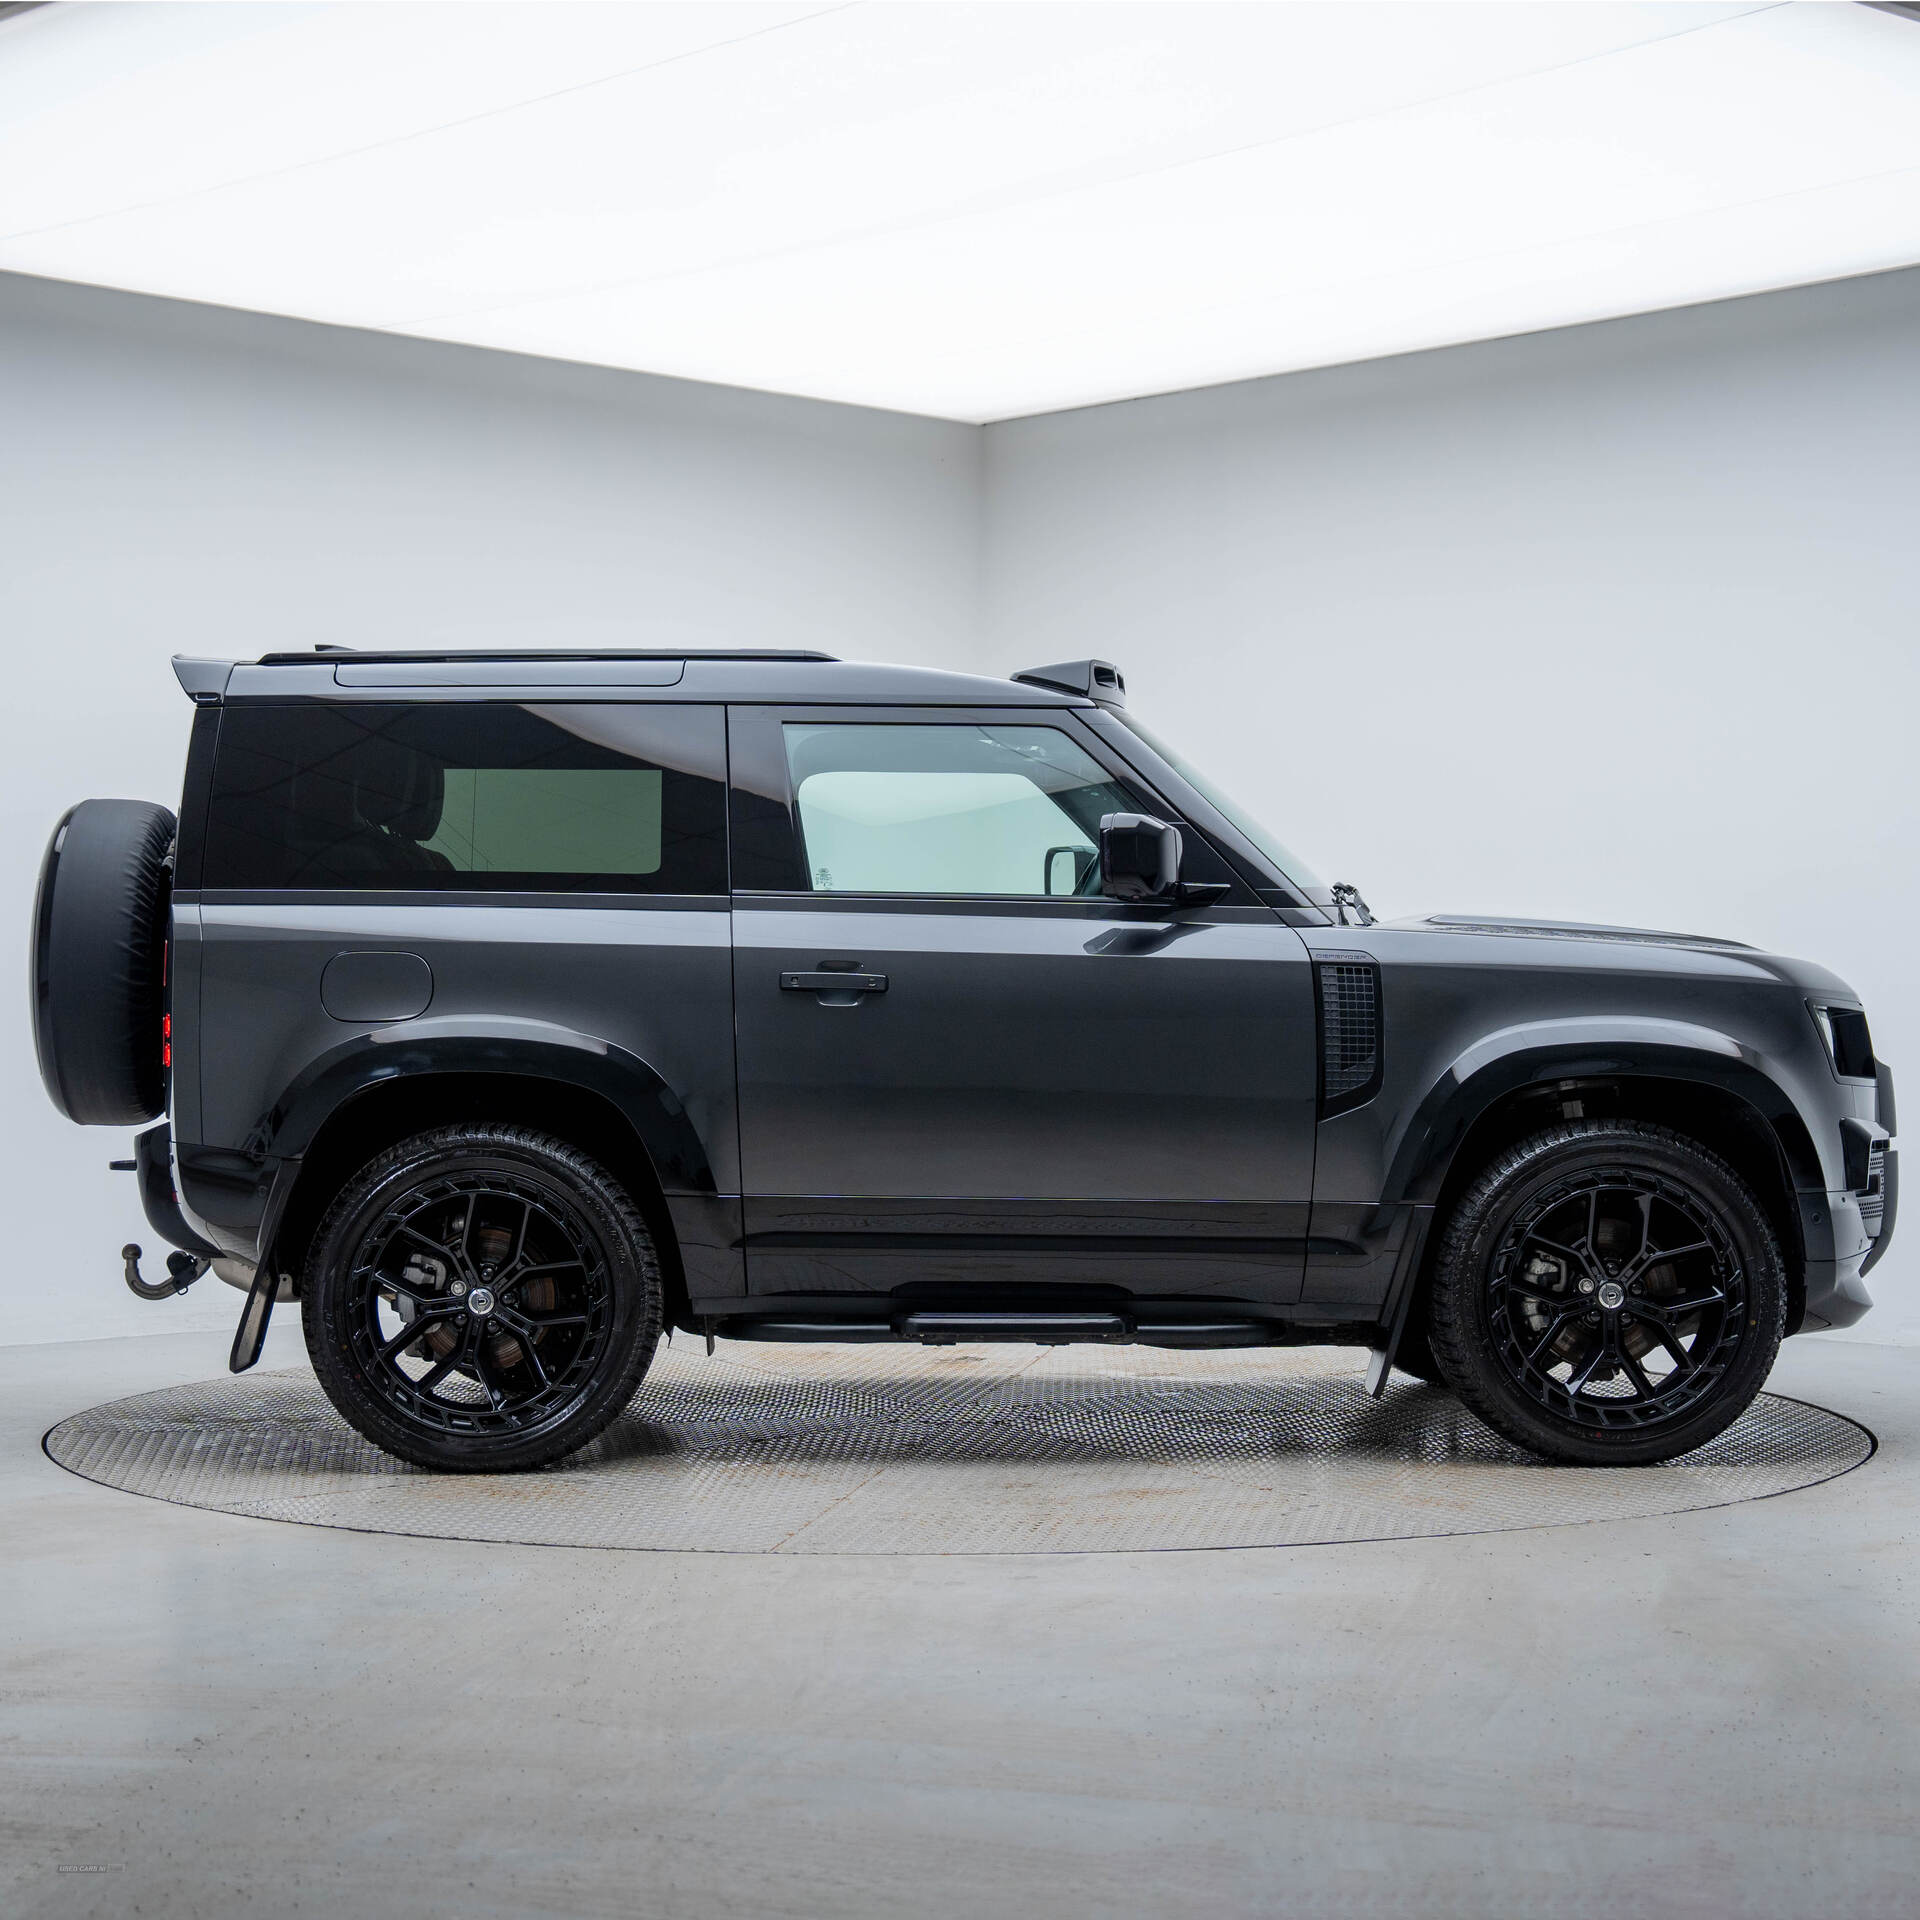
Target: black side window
x=470 y=797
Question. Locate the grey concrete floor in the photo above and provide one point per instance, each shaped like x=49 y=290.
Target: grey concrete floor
x=1706 y=1714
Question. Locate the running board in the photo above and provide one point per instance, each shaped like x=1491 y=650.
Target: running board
x=949 y=1329
x=1035 y=1329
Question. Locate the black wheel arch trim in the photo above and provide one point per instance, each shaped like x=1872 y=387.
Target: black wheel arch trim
x=455 y=1044
x=1505 y=1063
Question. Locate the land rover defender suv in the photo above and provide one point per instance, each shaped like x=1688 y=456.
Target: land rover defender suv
x=505 y=1010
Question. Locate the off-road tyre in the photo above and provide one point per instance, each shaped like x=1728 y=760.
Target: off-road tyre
x=585 y=1259
x=1491 y=1299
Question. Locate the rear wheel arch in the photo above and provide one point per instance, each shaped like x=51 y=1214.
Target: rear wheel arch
x=384 y=1112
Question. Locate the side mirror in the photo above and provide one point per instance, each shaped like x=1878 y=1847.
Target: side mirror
x=1067 y=870
x=1139 y=857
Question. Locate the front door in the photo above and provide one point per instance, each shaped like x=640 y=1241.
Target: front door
x=960 y=1065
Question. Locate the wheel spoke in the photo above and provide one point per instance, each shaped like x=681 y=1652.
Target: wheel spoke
x=1635 y=1372
x=462 y=1258
x=1665 y=1313
x=1678 y=1309
x=438 y=1372
x=1534 y=1289
x=1682 y=1359
x=422 y=1319
x=478 y=1345
x=1577 y=1384
x=526 y=1333
x=545 y=1266
x=455 y=1257
x=520 y=1238
x=539 y=1366
x=1652 y=1256
x=1550 y=1336
x=440 y=1247
x=1644 y=1201
x=1555 y=1246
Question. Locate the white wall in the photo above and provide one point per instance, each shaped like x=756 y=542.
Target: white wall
x=175 y=478
x=1616 y=623
x=1613 y=623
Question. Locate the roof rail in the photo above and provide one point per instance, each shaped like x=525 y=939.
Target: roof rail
x=436 y=657
x=1097 y=680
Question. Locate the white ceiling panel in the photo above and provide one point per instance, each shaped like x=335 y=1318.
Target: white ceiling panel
x=975 y=211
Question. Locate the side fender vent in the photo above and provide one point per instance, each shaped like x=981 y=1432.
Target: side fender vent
x=1347 y=1000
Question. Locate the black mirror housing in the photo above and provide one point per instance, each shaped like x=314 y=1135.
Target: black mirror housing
x=1139 y=857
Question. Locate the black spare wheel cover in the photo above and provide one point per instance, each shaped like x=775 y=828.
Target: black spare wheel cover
x=99 y=958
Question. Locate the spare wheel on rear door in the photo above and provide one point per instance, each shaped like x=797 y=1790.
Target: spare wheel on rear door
x=99 y=962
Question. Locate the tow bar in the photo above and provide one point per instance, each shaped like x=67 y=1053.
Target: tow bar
x=183 y=1269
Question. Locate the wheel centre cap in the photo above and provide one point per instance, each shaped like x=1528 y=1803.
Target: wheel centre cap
x=480 y=1301
x=1611 y=1294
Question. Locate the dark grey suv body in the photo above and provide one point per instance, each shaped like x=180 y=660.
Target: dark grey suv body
x=787 y=947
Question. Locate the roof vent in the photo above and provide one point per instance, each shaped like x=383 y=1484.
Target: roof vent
x=1097 y=680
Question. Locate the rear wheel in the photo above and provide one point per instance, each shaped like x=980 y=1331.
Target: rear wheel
x=1608 y=1293
x=481 y=1298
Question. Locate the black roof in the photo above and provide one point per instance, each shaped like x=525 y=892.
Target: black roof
x=434 y=656
x=789 y=676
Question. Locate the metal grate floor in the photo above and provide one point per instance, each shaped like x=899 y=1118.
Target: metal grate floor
x=944 y=1450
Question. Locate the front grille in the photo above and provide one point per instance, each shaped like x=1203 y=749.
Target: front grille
x=1348 y=987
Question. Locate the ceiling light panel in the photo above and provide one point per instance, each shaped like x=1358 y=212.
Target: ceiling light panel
x=973 y=210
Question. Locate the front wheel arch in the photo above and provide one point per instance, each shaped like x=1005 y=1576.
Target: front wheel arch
x=1769 y=1146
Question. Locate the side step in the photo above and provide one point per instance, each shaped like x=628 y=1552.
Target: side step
x=1041 y=1329
x=957 y=1328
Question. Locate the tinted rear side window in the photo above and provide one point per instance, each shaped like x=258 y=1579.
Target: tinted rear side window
x=470 y=797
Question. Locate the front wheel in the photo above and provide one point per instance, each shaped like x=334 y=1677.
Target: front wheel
x=481 y=1299
x=1608 y=1293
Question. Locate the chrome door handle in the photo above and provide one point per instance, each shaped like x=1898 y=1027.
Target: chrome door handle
x=824 y=982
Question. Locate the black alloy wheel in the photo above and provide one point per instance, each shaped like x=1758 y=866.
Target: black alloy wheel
x=1608 y=1293
x=481 y=1298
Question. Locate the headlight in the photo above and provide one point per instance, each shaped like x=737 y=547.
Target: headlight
x=1848 y=1041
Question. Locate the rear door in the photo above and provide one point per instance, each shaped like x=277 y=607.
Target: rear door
x=959 y=1065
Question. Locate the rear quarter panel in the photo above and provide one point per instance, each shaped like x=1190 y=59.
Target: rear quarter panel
x=650 y=977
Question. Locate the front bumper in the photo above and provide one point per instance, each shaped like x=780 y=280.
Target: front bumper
x=1849 y=1236
x=1836 y=1294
